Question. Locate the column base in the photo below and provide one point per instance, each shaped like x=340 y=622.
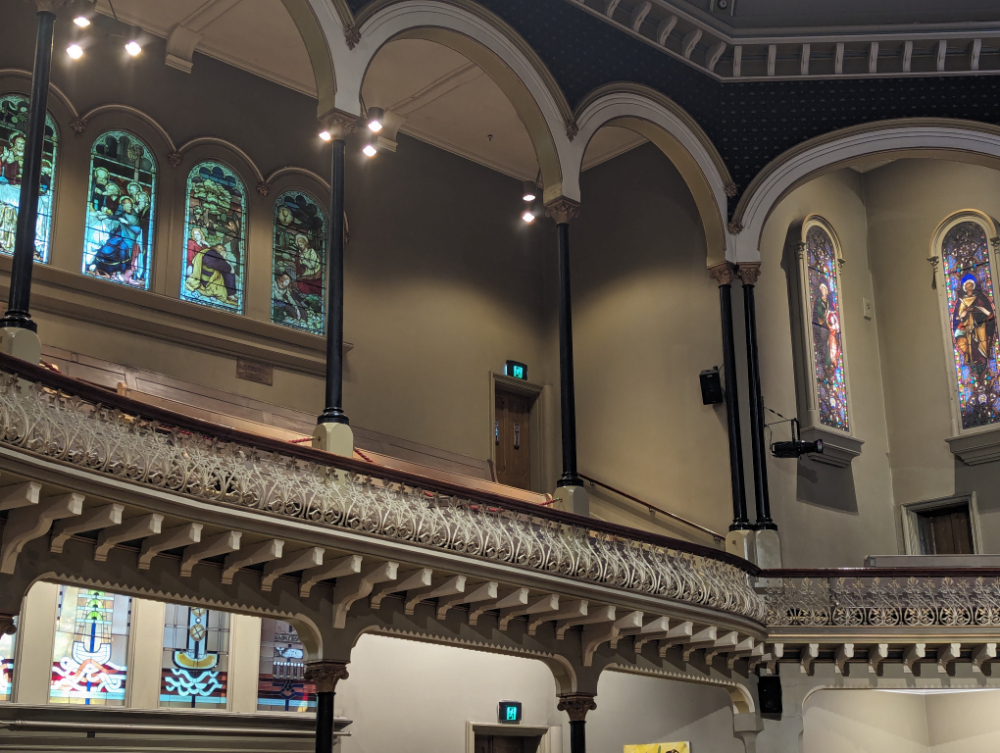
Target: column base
x=768 y=549
x=335 y=438
x=21 y=343
x=572 y=499
x=742 y=544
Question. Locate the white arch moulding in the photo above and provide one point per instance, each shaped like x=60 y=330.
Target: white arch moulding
x=489 y=43
x=926 y=138
x=677 y=135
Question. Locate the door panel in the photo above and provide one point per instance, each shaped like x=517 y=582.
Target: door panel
x=512 y=439
x=946 y=530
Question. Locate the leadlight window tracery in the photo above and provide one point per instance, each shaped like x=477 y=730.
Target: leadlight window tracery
x=281 y=684
x=214 y=238
x=195 y=658
x=119 y=235
x=13 y=127
x=7 y=645
x=972 y=320
x=299 y=263
x=91 y=647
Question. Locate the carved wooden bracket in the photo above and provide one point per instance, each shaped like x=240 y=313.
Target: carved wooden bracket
x=325 y=675
x=577 y=705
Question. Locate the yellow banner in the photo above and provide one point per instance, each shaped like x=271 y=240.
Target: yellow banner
x=659 y=748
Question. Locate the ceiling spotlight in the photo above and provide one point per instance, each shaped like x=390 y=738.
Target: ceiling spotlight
x=75 y=51
x=325 y=135
x=133 y=48
x=528 y=193
x=370 y=150
x=82 y=21
x=375 y=117
x=528 y=216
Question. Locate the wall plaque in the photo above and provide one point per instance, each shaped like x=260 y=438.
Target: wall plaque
x=254 y=371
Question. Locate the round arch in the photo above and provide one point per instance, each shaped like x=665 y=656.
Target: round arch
x=922 y=138
x=488 y=42
x=677 y=135
x=321 y=27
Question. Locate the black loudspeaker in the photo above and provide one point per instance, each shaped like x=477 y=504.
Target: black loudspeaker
x=769 y=689
x=711 y=387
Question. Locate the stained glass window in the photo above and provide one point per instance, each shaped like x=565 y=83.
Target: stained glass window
x=973 y=322
x=299 y=263
x=214 y=238
x=195 y=658
x=118 y=241
x=7 y=665
x=281 y=684
x=13 y=126
x=827 y=339
x=91 y=646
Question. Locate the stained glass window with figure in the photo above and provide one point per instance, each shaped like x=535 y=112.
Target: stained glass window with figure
x=13 y=126
x=91 y=647
x=826 y=322
x=195 y=658
x=118 y=241
x=299 y=268
x=281 y=684
x=214 y=238
x=965 y=260
x=7 y=665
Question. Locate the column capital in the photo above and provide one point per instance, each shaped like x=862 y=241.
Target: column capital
x=749 y=272
x=724 y=273
x=325 y=674
x=340 y=124
x=562 y=210
x=7 y=626
x=50 y=6
x=577 y=705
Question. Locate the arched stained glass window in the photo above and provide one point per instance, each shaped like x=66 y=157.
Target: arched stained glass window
x=118 y=243
x=195 y=658
x=281 y=684
x=820 y=264
x=972 y=320
x=214 y=238
x=6 y=666
x=13 y=125
x=299 y=270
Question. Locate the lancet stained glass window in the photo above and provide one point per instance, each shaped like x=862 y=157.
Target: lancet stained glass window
x=13 y=127
x=827 y=340
x=972 y=314
x=91 y=647
x=118 y=241
x=195 y=658
x=299 y=263
x=214 y=238
x=281 y=684
x=7 y=665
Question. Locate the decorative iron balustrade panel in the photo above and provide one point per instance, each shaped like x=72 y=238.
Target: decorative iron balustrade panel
x=64 y=427
x=884 y=602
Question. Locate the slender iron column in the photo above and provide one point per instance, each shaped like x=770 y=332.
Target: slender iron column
x=749 y=274
x=577 y=705
x=724 y=274
x=333 y=413
x=562 y=211
x=18 y=307
x=325 y=674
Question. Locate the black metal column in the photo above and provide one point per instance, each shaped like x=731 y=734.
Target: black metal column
x=334 y=411
x=563 y=211
x=578 y=737
x=324 y=722
x=325 y=675
x=18 y=307
x=576 y=705
x=749 y=275
x=724 y=275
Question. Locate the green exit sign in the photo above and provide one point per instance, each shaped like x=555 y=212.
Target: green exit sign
x=509 y=712
x=516 y=369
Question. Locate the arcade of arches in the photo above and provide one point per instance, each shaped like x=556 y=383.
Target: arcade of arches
x=369 y=364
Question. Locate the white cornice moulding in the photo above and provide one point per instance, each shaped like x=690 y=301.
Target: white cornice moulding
x=977 y=449
x=838 y=450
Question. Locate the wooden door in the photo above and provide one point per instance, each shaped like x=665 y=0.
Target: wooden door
x=946 y=530
x=512 y=437
x=506 y=744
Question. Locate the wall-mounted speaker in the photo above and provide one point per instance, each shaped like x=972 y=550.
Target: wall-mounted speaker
x=711 y=387
x=769 y=690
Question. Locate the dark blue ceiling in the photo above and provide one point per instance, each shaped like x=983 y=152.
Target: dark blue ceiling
x=750 y=123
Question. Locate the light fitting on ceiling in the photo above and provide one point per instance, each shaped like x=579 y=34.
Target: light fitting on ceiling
x=528 y=216
x=82 y=21
x=375 y=118
x=370 y=149
x=529 y=192
x=75 y=51
x=325 y=135
x=133 y=48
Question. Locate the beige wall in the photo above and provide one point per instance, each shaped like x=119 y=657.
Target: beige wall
x=963 y=722
x=865 y=721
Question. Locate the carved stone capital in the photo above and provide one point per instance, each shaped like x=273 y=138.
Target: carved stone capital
x=7 y=626
x=572 y=129
x=749 y=272
x=325 y=674
x=352 y=36
x=50 y=6
x=996 y=245
x=263 y=188
x=174 y=159
x=799 y=249
x=934 y=260
x=340 y=124
x=577 y=705
x=731 y=190
x=734 y=228
x=724 y=273
x=562 y=210
x=79 y=125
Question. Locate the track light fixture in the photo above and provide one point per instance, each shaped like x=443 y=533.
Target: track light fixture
x=75 y=51
x=375 y=117
x=529 y=192
x=326 y=136
x=82 y=21
x=528 y=216
x=370 y=149
x=797 y=447
x=133 y=48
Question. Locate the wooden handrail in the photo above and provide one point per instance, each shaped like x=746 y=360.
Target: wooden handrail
x=883 y=572
x=95 y=394
x=654 y=508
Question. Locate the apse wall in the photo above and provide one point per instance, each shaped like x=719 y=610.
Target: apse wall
x=847 y=512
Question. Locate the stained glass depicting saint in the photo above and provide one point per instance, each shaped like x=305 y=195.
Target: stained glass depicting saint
x=118 y=239
x=281 y=684
x=299 y=269
x=6 y=666
x=91 y=647
x=828 y=352
x=972 y=313
x=195 y=658
x=214 y=238
x=13 y=127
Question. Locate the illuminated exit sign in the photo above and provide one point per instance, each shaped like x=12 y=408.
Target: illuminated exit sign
x=516 y=369
x=509 y=712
